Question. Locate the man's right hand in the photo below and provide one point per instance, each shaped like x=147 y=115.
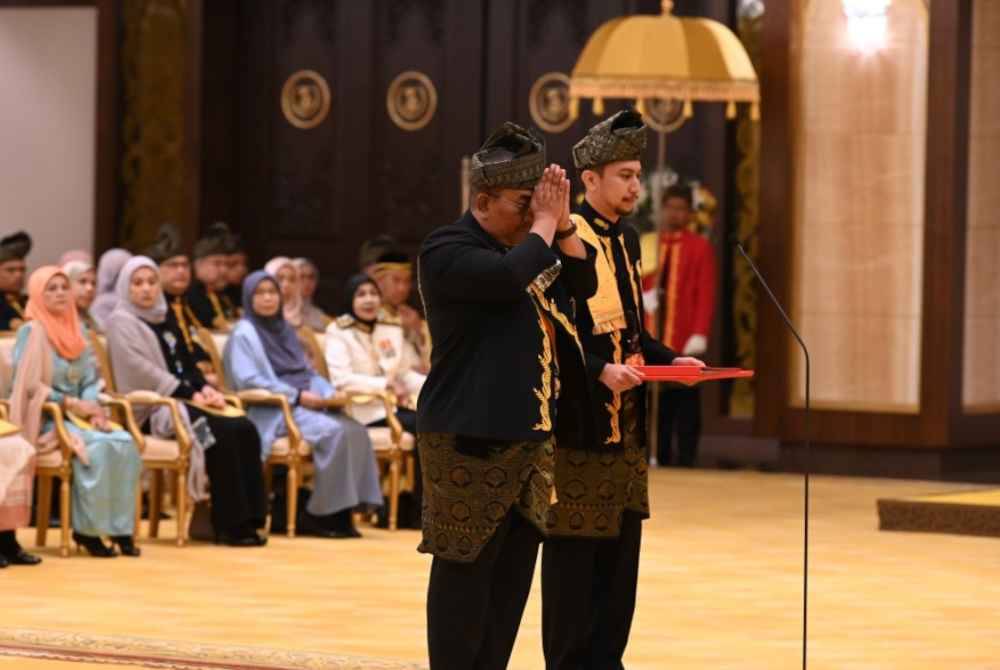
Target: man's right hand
x=620 y=378
x=547 y=202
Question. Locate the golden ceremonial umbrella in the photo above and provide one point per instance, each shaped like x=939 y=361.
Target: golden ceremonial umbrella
x=669 y=62
x=665 y=57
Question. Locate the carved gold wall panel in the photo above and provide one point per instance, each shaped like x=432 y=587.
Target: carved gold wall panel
x=744 y=306
x=981 y=378
x=153 y=60
x=858 y=241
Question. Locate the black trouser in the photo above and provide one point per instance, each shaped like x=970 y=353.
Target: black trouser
x=680 y=408
x=474 y=609
x=588 y=598
x=235 y=473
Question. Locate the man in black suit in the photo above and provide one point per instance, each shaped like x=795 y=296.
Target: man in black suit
x=498 y=288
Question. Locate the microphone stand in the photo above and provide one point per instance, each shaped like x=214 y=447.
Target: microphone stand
x=808 y=463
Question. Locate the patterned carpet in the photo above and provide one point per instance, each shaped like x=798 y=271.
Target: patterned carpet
x=961 y=513
x=173 y=655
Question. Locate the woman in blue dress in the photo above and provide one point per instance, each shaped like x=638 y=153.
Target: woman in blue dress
x=264 y=352
x=54 y=363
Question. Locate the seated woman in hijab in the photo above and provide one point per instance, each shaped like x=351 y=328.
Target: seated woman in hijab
x=83 y=283
x=264 y=352
x=111 y=264
x=365 y=353
x=312 y=315
x=149 y=353
x=53 y=362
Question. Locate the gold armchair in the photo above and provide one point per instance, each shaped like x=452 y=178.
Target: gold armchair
x=48 y=466
x=294 y=452
x=393 y=447
x=160 y=456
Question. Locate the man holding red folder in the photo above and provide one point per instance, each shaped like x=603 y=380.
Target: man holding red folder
x=590 y=564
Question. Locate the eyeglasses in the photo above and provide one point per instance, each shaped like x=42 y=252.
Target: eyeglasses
x=522 y=205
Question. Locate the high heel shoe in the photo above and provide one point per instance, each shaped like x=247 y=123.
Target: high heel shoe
x=126 y=545
x=94 y=546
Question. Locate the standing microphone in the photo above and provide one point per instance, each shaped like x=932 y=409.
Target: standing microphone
x=808 y=464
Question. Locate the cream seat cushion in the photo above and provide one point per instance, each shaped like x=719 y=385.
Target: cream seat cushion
x=282 y=445
x=161 y=449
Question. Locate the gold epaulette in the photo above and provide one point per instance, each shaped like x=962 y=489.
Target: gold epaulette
x=389 y=319
x=345 y=321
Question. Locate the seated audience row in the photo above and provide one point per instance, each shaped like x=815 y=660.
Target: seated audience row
x=151 y=309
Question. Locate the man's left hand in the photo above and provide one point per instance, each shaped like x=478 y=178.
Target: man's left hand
x=689 y=361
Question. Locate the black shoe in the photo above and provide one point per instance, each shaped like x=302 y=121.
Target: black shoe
x=94 y=546
x=126 y=545
x=240 y=540
x=21 y=557
x=3 y=562
x=333 y=534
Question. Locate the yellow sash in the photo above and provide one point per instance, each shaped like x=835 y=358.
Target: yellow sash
x=83 y=424
x=606 y=304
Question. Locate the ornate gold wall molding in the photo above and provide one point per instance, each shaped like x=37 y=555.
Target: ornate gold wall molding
x=154 y=72
x=741 y=399
x=411 y=100
x=305 y=99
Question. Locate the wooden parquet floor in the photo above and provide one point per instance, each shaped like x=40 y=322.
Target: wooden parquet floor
x=720 y=587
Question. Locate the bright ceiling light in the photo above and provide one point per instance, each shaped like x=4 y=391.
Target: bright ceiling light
x=867 y=24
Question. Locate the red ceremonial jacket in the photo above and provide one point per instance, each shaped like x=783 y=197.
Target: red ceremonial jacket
x=686 y=288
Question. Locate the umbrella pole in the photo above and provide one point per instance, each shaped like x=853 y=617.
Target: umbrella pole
x=653 y=391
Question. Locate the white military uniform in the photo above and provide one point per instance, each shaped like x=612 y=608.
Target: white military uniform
x=363 y=362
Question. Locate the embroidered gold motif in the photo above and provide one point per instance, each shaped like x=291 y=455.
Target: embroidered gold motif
x=195 y=323
x=547 y=277
x=214 y=299
x=606 y=305
x=631 y=276
x=551 y=307
x=14 y=301
x=614 y=407
x=181 y=323
x=544 y=394
x=675 y=261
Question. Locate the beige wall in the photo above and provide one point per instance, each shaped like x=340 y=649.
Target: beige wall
x=858 y=243
x=981 y=387
x=48 y=89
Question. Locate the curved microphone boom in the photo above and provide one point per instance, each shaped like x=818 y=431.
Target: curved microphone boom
x=808 y=460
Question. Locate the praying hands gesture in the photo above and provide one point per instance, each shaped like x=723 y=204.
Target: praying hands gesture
x=548 y=201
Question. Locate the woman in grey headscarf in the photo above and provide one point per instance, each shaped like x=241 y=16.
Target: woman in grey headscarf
x=312 y=315
x=111 y=264
x=264 y=352
x=82 y=280
x=149 y=353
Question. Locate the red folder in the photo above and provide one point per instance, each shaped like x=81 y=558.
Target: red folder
x=689 y=375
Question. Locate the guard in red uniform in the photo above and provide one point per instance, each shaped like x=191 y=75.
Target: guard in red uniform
x=680 y=303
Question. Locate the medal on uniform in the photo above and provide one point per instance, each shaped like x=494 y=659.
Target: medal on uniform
x=74 y=374
x=385 y=346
